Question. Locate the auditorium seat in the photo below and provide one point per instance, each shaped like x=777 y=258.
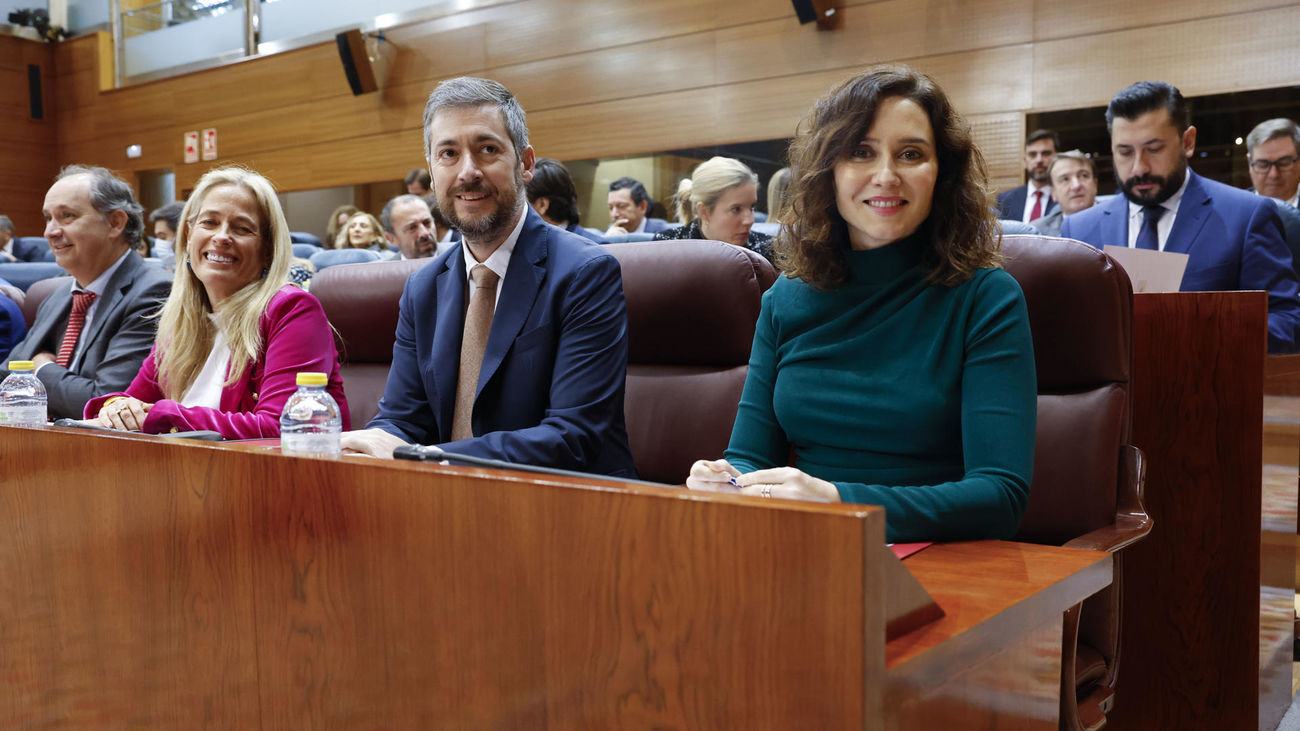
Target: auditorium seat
x=302 y=237
x=306 y=251
x=361 y=302
x=692 y=306
x=335 y=257
x=628 y=238
x=35 y=242
x=37 y=293
x=1088 y=480
x=23 y=274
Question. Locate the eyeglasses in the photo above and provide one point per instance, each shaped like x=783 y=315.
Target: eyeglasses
x=1282 y=164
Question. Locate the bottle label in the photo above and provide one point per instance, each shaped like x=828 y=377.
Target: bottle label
x=22 y=416
x=318 y=443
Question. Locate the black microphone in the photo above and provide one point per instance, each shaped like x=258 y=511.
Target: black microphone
x=431 y=453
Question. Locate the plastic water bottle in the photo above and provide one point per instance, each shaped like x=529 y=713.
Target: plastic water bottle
x=22 y=396
x=310 y=422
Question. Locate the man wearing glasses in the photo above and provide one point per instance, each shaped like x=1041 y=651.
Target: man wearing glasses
x=1273 y=150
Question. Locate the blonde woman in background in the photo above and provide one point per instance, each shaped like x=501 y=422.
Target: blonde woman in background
x=717 y=202
x=232 y=336
x=364 y=231
x=776 y=187
x=338 y=220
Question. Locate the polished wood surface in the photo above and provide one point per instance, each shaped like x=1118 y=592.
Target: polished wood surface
x=227 y=586
x=1278 y=542
x=999 y=645
x=1191 y=608
x=608 y=79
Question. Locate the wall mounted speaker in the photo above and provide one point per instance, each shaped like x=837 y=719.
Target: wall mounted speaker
x=825 y=13
x=35 y=99
x=367 y=60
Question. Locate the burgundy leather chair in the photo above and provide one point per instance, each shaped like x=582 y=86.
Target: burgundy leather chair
x=692 y=306
x=37 y=293
x=1087 y=484
x=361 y=302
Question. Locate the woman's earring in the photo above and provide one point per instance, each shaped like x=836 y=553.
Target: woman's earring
x=265 y=270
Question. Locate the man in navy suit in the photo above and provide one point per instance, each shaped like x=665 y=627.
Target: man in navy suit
x=550 y=370
x=1233 y=239
x=15 y=249
x=1033 y=199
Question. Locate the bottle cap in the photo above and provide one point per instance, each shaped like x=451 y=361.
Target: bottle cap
x=312 y=379
x=21 y=365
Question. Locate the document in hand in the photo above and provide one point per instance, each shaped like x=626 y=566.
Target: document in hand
x=1150 y=271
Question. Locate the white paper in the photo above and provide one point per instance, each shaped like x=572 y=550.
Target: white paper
x=1149 y=270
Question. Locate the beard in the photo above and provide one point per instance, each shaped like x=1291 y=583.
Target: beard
x=1040 y=177
x=490 y=225
x=1167 y=186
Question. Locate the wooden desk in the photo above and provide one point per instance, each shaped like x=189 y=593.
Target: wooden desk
x=162 y=584
x=1191 y=606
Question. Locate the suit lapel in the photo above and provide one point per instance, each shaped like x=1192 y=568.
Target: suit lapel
x=518 y=293
x=114 y=296
x=1114 y=224
x=449 y=325
x=1193 y=210
x=53 y=311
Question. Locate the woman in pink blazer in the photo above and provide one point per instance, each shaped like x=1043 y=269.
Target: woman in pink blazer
x=232 y=337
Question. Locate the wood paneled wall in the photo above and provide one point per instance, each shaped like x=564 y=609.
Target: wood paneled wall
x=27 y=146
x=605 y=79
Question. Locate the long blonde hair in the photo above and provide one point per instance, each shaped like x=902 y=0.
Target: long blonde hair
x=708 y=182
x=185 y=332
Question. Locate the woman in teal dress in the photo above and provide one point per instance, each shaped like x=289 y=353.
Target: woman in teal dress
x=892 y=363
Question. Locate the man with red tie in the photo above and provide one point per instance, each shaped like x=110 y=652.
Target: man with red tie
x=1034 y=199
x=90 y=337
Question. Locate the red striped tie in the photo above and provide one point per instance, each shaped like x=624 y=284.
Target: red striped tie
x=80 y=303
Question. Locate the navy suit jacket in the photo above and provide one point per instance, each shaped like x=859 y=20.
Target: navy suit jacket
x=31 y=248
x=1011 y=203
x=1233 y=240
x=550 y=389
x=12 y=325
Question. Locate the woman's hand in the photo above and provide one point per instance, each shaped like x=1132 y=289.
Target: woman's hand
x=712 y=475
x=125 y=413
x=788 y=483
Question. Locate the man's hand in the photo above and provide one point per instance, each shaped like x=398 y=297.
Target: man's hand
x=374 y=442
x=43 y=357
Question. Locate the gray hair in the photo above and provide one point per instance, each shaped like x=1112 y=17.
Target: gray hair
x=468 y=91
x=386 y=215
x=1271 y=130
x=6 y=224
x=1077 y=156
x=110 y=193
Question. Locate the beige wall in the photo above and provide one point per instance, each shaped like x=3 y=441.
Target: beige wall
x=603 y=79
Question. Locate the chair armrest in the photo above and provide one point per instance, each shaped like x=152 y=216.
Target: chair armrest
x=1131 y=520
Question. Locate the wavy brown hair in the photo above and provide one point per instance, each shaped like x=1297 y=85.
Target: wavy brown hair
x=962 y=231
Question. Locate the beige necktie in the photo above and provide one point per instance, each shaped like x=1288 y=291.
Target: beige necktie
x=478 y=323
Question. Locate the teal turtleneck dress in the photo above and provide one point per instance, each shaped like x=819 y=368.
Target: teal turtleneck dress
x=917 y=397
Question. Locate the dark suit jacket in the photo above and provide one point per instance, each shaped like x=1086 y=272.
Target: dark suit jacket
x=1011 y=203
x=1291 y=226
x=655 y=225
x=550 y=390
x=12 y=325
x=30 y=248
x=1233 y=240
x=112 y=346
